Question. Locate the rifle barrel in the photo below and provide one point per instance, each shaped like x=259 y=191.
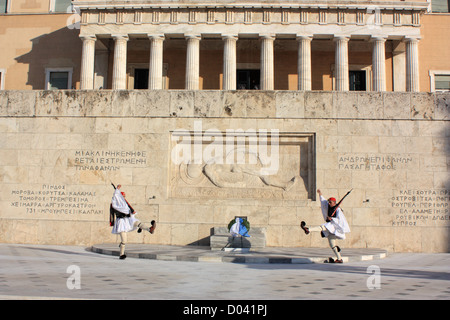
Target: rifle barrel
x=339 y=203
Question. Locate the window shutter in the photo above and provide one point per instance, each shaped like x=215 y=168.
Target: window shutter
x=440 y=5
x=442 y=81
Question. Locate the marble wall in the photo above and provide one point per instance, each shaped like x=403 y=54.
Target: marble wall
x=193 y=160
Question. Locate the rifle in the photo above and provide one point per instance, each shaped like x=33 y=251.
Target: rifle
x=339 y=203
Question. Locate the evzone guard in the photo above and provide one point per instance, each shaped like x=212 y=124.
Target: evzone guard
x=336 y=225
x=122 y=219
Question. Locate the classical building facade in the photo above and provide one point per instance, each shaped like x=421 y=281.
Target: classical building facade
x=290 y=24
x=276 y=45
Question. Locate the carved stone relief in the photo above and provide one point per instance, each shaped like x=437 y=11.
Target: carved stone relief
x=242 y=165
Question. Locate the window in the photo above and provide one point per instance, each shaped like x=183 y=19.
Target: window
x=248 y=79
x=440 y=5
x=140 y=78
x=359 y=77
x=357 y=80
x=60 y=6
x=58 y=78
x=442 y=82
x=439 y=80
x=138 y=74
x=3 y=6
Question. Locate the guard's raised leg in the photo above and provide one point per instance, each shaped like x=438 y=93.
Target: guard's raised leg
x=303 y=226
x=141 y=226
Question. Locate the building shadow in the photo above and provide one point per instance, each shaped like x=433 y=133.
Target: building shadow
x=388 y=272
x=58 y=49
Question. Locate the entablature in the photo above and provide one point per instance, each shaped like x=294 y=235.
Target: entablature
x=386 y=13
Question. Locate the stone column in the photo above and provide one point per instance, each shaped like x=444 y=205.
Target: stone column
x=155 y=73
x=341 y=68
x=379 y=64
x=267 y=74
x=229 y=62
x=119 y=80
x=412 y=64
x=304 y=62
x=398 y=65
x=193 y=62
x=87 y=63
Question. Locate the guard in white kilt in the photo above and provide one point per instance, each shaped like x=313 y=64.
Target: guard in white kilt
x=123 y=219
x=336 y=225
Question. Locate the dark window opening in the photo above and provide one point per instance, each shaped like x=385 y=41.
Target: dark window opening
x=58 y=80
x=357 y=80
x=140 y=78
x=248 y=79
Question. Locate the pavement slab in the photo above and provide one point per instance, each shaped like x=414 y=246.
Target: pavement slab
x=74 y=272
x=264 y=255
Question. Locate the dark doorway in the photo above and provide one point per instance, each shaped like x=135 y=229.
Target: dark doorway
x=357 y=80
x=248 y=79
x=140 y=78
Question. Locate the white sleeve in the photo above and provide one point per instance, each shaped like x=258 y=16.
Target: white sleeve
x=324 y=207
x=118 y=202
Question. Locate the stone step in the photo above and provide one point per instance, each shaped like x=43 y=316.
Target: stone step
x=253 y=231
x=222 y=239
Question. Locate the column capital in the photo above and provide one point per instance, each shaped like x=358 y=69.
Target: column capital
x=193 y=36
x=268 y=36
x=412 y=38
x=120 y=37
x=300 y=37
x=88 y=37
x=226 y=36
x=378 y=38
x=159 y=36
x=341 y=37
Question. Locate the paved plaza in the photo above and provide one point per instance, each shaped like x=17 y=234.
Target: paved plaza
x=73 y=272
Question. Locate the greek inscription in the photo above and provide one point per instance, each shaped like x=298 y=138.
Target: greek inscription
x=421 y=207
x=373 y=162
x=108 y=160
x=55 y=199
